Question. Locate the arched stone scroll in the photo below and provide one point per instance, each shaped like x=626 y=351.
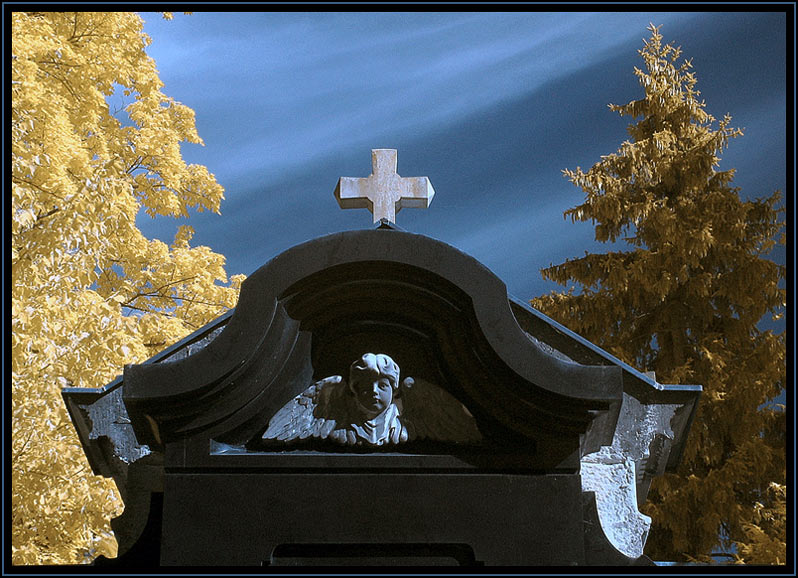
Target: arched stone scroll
x=374 y=408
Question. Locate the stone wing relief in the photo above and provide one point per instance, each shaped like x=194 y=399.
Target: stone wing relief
x=372 y=409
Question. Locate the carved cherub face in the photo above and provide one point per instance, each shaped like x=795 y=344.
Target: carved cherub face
x=374 y=396
x=373 y=379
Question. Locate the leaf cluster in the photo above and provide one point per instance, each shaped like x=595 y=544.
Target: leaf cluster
x=91 y=292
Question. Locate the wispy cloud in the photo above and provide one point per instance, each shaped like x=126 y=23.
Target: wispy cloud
x=486 y=103
x=310 y=83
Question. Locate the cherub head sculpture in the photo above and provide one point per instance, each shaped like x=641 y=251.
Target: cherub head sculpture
x=374 y=380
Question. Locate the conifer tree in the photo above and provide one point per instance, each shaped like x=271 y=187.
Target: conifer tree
x=90 y=292
x=684 y=296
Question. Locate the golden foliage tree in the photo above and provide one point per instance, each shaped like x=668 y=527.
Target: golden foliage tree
x=685 y=301
x=90 y=292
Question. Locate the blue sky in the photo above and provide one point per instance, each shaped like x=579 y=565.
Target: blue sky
x=490 y=106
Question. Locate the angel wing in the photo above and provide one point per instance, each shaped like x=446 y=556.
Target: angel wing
x=430 y=412
x=314 y=413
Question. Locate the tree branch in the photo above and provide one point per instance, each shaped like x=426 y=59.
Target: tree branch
x=22 y=181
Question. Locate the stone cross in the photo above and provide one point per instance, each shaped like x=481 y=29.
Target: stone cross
x=384 y=192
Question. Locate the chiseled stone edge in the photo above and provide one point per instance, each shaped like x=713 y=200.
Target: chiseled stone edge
x=612 y=472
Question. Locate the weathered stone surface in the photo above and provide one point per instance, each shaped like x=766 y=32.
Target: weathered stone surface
x=612 y=478
x=101 y=416
x=384 y=192
x=103 y=424
x=617 y=473
x=647 y=439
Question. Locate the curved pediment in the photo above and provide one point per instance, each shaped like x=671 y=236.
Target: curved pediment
x=309 y=312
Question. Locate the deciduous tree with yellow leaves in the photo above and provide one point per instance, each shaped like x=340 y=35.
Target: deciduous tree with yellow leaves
x=686 y=301
x=90 y=292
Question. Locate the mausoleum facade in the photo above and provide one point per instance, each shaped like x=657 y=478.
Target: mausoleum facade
x=376 y=397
